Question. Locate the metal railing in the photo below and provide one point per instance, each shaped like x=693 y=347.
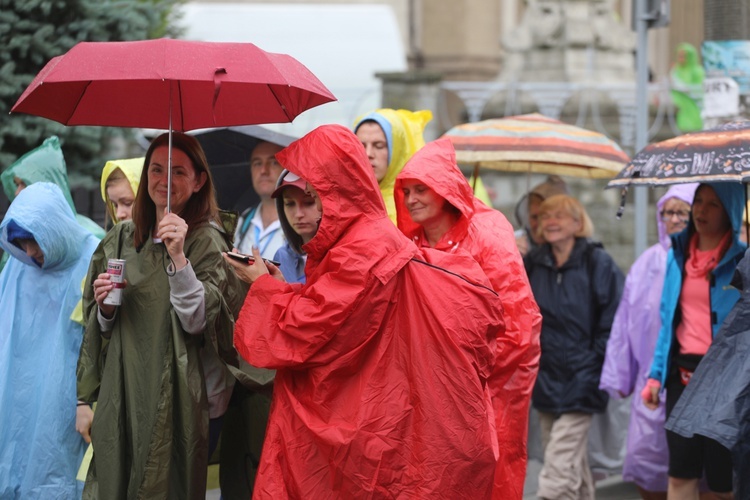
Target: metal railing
x=551 y=98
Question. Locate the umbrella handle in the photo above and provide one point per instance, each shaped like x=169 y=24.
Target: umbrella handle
x=621 y=209
x=747 y=217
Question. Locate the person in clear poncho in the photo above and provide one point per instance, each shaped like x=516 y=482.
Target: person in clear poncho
x=631 y=347
x=39 y=449
x=44 y=163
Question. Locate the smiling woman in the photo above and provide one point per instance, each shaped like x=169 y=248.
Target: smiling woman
x=562 y=219
x=163 y=389
x=577 y=286
x=437 y=208
x=428 y=209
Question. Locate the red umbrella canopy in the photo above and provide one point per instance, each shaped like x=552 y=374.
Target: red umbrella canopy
x=200 y=84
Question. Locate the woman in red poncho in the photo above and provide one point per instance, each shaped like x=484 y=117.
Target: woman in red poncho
x=382 y=356
x=437 y=209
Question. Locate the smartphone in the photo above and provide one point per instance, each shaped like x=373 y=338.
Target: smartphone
x=249 y=259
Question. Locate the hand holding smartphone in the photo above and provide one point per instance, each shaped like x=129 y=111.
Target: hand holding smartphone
x=249 y=259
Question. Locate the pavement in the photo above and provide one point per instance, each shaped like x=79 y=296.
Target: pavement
x=609 y=488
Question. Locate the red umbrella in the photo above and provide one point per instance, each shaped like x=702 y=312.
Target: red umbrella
x=171 y=84
x=204 y=84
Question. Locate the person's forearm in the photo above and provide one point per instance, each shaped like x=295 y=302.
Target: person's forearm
x=188 y=299
x=105 y=324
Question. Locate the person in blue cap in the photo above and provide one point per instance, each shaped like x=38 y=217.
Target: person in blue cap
x=40 y=450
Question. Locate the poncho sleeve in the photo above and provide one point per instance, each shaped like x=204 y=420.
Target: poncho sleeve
x=223 y=291
x=607 y=284
x=669 y=301
x=620 y=369
x=281 y=325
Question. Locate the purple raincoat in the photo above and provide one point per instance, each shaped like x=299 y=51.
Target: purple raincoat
x=629 y=353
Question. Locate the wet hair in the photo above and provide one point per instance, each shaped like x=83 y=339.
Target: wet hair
x=115 y=176
x=572 y=207
x=201 y=207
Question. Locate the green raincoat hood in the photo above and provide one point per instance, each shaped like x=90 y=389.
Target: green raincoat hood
x=42 y=164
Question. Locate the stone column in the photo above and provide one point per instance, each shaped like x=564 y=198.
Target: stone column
x=413 y=90
x=459 y=38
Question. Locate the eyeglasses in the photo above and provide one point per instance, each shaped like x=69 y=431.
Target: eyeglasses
x=667 y=215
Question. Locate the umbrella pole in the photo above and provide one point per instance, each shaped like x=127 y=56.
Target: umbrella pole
x=747 y=219
x=169 y=161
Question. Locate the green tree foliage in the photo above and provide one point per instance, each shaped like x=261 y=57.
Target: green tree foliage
x=34 y=31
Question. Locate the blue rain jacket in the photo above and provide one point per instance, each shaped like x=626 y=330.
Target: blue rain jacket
x=292 y=264
x=723 y=295
x=40 y=450
x=716 y=402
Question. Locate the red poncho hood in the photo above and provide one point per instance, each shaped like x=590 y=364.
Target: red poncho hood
x=435 y=167
x=488 y=237
x=382 y=356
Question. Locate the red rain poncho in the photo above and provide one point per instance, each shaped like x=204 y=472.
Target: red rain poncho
x=488 y=236
x=382 y=356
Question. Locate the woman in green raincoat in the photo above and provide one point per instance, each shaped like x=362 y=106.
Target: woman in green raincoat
x=164 y=387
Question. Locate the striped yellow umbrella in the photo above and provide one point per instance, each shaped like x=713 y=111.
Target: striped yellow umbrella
x=537 y=144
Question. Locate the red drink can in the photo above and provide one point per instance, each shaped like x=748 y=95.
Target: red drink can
x=116 y=271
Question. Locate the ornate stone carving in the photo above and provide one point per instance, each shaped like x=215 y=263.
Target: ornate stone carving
x=569 y=40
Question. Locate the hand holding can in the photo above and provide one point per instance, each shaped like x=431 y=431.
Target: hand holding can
x=108 y=287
